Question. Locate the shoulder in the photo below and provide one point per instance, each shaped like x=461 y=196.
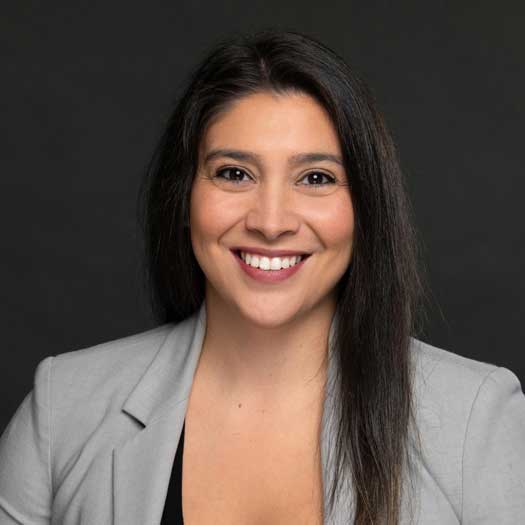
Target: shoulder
x=447 y=384
x=112 y=364
x=470 y=416
x=442 y=375
x=87 y=386
x=437 y=368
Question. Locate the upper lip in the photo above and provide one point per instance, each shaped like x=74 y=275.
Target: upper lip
x=269 y=253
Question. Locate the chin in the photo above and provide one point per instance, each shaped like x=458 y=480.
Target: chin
x=269 y=316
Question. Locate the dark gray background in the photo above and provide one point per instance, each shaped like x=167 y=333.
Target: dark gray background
x=86 y=88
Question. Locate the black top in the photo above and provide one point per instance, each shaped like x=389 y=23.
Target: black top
x=172 y=514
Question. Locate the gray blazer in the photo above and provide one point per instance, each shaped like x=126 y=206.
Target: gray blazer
x=94 y=441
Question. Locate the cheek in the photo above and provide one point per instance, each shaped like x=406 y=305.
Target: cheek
x=211 y=212
x=335 y=222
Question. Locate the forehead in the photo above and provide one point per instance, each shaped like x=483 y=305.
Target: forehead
x=273 y=123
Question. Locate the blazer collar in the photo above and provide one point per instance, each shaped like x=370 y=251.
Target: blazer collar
x=142 y=465
x=169 y=377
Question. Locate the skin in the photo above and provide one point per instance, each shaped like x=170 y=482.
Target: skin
x=265 y=343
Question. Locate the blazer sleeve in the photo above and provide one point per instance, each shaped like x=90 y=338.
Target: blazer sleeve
x=25 y=452
x=494 y=453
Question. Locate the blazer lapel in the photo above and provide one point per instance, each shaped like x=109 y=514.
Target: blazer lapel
x=142 y=465
x=142 y=469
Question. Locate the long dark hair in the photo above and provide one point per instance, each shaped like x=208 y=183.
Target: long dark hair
x=379 y=294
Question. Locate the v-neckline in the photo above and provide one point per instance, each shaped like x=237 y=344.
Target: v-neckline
x=172 y=514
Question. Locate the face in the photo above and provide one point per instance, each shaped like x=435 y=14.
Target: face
x=257 y=188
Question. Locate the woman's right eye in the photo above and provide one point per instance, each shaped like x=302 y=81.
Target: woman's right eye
x=233 y=174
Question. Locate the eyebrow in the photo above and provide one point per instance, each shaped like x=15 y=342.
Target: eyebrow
x=299 y=158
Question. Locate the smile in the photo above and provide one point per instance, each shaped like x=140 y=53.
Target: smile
x=269 y=269
x=269 y=263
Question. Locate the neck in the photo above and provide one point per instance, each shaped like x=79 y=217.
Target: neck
x=261 y=364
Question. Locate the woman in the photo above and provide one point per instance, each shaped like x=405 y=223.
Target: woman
x=284 y=383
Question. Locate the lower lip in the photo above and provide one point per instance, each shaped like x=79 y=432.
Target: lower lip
x=269 y=276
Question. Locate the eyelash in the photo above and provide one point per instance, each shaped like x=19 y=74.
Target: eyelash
x=331 y=179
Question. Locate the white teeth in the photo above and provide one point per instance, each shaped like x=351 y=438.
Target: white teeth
x=267 y=263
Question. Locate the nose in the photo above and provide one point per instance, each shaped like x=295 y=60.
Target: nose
x=272 y=212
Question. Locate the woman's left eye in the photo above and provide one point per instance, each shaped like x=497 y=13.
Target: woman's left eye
x=315 y=178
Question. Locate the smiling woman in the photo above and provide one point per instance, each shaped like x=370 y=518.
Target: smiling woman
x=288 y=190
x=284 y=383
